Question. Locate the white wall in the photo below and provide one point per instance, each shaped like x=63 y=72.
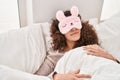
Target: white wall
x=26 y=12
x=35 y=11
x=45 y=10
x=110 y=8
x=9 y=17
x=22 y=12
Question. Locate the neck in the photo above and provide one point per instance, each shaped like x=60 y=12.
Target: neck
x=70 y=45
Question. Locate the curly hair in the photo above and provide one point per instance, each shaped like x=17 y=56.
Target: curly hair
x=88 y=35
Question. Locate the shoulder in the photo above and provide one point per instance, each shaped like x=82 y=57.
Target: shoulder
x=52 y=52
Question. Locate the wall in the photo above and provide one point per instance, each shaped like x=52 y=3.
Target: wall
x=22 y=12
x=45 y=10
x=110 y=8
x=36 y=11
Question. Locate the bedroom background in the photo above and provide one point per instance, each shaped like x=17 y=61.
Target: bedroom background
x=20 y=48
x=38 y=11
x=26 y=12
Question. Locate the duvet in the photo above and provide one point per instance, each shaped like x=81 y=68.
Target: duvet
x=99 y=68
x=7 y=73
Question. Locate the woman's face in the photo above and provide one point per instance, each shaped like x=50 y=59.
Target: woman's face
x=73 y=34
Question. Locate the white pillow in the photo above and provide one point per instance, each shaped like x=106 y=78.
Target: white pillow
x=109 y=35
x=46 y=33
x=23 y=49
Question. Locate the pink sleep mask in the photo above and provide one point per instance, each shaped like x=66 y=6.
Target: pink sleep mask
x=67 y=23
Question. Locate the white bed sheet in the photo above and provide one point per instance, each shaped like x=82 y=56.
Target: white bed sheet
x=7 y=73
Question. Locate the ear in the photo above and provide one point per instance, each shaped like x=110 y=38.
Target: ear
x=60 y=15
x=74 y=11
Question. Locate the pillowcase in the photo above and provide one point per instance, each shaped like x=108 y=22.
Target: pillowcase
x=109 y=35
x=23 y=49
x=46 y=33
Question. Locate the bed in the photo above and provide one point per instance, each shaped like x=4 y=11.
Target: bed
x=22 y=51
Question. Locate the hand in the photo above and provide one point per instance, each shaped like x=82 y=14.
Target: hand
x=71 y=76
x=98 y=51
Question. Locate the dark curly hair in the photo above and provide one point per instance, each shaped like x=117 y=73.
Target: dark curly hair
x=88 y=35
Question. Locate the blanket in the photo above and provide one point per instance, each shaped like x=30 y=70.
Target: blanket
x=99 y=68
x=7 y=73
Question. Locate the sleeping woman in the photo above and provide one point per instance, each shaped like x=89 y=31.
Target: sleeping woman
x=68 y=34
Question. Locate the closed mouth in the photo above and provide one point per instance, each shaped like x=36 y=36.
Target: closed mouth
x=74 y=33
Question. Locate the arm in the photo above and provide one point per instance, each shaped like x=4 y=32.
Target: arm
x=46 y=68
x=49 y=64
x=98 y=51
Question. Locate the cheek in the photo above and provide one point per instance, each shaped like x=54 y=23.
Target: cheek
x=67 y=36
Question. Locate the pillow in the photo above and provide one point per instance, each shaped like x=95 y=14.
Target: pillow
x=46 y=33
x=109 y=35
x=23 y=49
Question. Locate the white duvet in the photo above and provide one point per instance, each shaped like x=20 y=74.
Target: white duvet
x=99 y=68
x=7 y=73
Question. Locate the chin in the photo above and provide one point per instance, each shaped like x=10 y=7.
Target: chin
x=75 y=38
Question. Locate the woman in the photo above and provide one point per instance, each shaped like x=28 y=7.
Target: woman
x=68 y=31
